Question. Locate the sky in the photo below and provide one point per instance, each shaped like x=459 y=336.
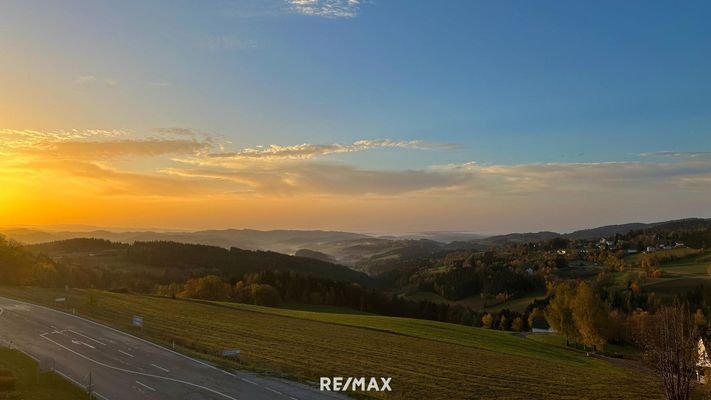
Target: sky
x=388 y=116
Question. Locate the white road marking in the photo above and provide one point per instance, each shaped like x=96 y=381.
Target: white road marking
x=160 y=368
x=30 y=356
x=248 y=381
x=100 y=396
x=273 y=390
x=53 y=327
x=128 y=371
x=1 y=311
x=83 y=344
x=87 y=337
x=122 y=333
x=146 y=386
x=126 y=354
x=293 y=398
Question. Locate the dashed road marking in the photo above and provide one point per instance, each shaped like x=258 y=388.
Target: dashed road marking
x=126 y=354
x=146 y=386
x=160 y=368
x=273 y=390
x=139 y=373
x=82 y=343
x=87 y=337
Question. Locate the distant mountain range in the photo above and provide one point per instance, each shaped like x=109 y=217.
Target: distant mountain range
x=282 y=241
x=347 y=248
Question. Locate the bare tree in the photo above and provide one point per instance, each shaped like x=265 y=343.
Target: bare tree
x=670 y=343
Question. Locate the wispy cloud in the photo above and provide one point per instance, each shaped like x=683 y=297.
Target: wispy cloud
x=324 y=178
x=309 y=151
x=85 y=80
x=326 y=8
x=671 y=153
x=98 y=145
x=90 y=80
x=158 y=161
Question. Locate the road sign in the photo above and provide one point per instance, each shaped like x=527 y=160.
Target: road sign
x=137 y=321
x=231 y=353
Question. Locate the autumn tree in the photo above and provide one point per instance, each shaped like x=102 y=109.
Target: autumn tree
x=264 y=295
x=699 y=318
x=487 y=320
x=670 y=342
x=559 y=313
x=590 y=317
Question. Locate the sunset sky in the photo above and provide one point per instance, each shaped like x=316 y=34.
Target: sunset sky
x=364 y=115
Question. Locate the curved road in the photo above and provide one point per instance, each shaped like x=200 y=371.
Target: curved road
x=124 y=367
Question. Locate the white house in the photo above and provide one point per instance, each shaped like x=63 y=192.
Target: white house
x=540 y=325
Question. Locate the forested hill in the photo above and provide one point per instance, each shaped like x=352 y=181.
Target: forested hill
x=229 y=263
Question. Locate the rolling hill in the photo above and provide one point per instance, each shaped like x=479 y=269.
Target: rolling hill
x=185 y=260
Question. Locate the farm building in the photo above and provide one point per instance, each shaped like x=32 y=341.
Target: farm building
x=540 y=325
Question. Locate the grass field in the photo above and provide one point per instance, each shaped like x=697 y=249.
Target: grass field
x=677 y=285
x=426 y=359
x=682 y=253
x=477 y=303
x=693 y=264
x=33 y=384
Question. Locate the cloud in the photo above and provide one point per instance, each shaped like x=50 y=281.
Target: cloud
x=130 y=147
x=670 y=153
x=90 y=80
x=580 y=177
x=85 y=80
x=126 y=162
x=92 y=177
x=98 y=145
x=326 y=8
x=309 y=151
x=325 y=179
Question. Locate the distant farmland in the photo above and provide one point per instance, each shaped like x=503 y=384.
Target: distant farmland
x=426 y=359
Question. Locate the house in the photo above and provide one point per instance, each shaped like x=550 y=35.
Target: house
x=651 y=249
x=632 y=251
x=703 y=361
x=540 y=325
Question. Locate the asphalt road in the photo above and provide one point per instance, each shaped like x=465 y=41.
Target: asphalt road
x=124 y=367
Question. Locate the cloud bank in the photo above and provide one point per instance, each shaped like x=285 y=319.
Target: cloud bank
x=326 y=8
x=186 y=166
